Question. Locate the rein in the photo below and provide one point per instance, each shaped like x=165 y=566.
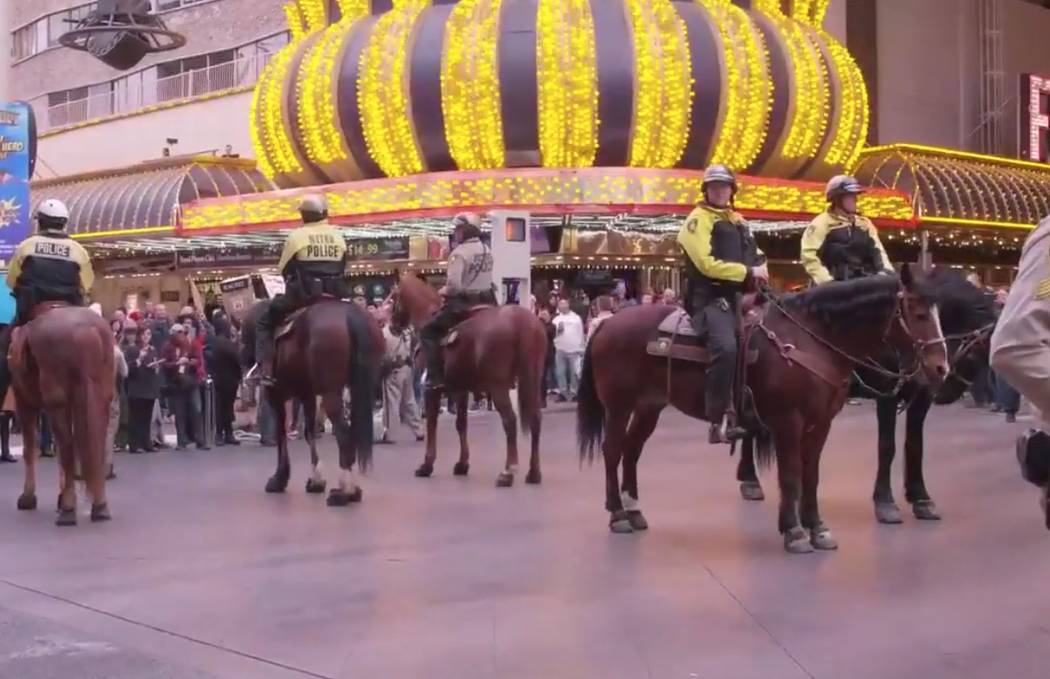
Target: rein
x=968 y=340
x=902 y=377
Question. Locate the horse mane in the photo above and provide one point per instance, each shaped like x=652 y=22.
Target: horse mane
x=840 y=305
x=417 y=297
x=962 y=306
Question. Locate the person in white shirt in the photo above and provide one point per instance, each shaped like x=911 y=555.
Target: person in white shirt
x=605 y=310
x=568 y=349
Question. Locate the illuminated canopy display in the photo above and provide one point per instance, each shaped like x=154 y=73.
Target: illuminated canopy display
x=363 y=91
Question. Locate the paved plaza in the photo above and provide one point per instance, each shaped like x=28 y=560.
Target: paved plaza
x=202 y=575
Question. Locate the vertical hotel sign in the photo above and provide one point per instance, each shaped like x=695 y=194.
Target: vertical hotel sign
x=1035 y=118
x=14 y=177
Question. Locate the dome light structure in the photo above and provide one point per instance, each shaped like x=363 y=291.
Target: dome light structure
x=374 y=88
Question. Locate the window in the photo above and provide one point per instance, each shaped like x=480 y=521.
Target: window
x=168 y=5
x=39 y=35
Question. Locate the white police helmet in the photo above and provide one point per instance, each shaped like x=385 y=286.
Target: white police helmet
x=54 y=209
x=842 y=185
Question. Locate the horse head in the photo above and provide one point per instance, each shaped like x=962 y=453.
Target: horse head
x=412 y=301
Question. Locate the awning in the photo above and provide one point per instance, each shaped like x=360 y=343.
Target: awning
x=146 y=198
x=957 y=189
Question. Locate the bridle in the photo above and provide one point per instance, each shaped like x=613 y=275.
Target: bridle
x=902 y=377
x=968 y=341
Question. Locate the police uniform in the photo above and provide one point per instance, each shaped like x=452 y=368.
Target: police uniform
x=49 y=267
x=1020 y=349
x=312 y=264
x=469 y=283
x=837 y=246
x=720 y=253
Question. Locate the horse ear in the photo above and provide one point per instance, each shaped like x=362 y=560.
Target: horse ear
x=906 y=275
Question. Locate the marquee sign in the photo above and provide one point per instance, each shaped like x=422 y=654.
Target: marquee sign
x=1035 y=117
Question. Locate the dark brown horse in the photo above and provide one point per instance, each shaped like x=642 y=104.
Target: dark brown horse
x=333 y=345
x=491 y=352
x=62 y=365
x=807 y=345
x=967 y=317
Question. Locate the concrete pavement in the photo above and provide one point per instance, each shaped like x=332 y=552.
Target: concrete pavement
x=201 y=574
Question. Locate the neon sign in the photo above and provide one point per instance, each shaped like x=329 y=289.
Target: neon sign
x=1035 y=118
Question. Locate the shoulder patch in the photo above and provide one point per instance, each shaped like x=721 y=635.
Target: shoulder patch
x=690 y=225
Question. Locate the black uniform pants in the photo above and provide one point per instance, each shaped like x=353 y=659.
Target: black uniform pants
x=225 y=397
x=453 y=312
x=716 y=322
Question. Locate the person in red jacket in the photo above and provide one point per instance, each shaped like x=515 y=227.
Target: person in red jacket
x=183 y=365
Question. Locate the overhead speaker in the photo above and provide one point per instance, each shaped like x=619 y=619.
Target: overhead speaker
x=120 y=33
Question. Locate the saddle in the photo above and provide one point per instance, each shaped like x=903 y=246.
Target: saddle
x=473 y=311
x=285 y=328
x=676 y=339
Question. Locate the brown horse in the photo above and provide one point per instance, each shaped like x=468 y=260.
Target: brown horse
x=494 y=349
x=331 y=345
x=62 y=365
x=807 y=345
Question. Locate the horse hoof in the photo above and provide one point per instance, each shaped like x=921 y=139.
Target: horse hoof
x=534 y=477
x=461 y=469
x=313 y=486
x=796 y=541
x=888 y=512
x=424 y=471
x=276 y=485
x=823 y=540
x=66 y=517
x=26 y=502
x=100 y=513
x=504 y=480
x=620 y=523
x=752 y=491
x=925 y=511
x=637 y=520
x=340 y=498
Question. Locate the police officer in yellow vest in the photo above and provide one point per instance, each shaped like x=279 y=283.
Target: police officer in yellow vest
x=840 y=243
x=313 y=264
x=1020 y=353
x=47 y=267
x=468 y=284
x=722 y=260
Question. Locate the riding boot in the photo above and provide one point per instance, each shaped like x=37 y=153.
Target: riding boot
x=435 y=366
x=264 y=351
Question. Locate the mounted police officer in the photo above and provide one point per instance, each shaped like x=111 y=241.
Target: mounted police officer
x=1020 y=353
x=468 y=284
x=47 y=267
x=841 y=243
x=722 y=260
x=313 y=264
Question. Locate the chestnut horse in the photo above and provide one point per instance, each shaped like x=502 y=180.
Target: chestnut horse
x=333 y=345
x=492 y=351
x=829 y=329
x=968 y=317
x=62 y=365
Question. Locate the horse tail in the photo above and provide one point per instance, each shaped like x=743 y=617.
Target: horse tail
x=590 y=412
x=88 y=396
x=530 y=380
x=765 y=451
x=362 y=380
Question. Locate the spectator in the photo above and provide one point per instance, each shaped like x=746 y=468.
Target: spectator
x=604 y=310
x=143 y=390
x=222 y=357
x=184 y=372
x=669 y=298
x=398 y=393
x=647 y=298
x=549 y=379
x=120 y=371
x=160 y=325
x=568 y=345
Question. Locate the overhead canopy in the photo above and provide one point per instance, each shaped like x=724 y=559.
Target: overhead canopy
x=146 y=198
x=953 y=188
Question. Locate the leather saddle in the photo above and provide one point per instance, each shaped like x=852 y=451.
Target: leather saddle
x=675 y=338
x=473 y=311
x=285 y=328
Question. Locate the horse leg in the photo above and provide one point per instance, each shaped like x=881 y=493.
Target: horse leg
x=746 y=474
x=316 y=482
x=278 y=483
x=61 y=429
x=535 y=476
x=432 y=407
x=347 y=489
x=30 y=451
x=463 y=466
x=642 y=426
x=612 y=451
x=501 y=399
x=787 y=435
x=922 y=506
x=886 y=509
x=813 y=441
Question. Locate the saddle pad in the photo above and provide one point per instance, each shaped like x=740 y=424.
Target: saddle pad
x=285 y=328
x=664 y=348
x=677 y=323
